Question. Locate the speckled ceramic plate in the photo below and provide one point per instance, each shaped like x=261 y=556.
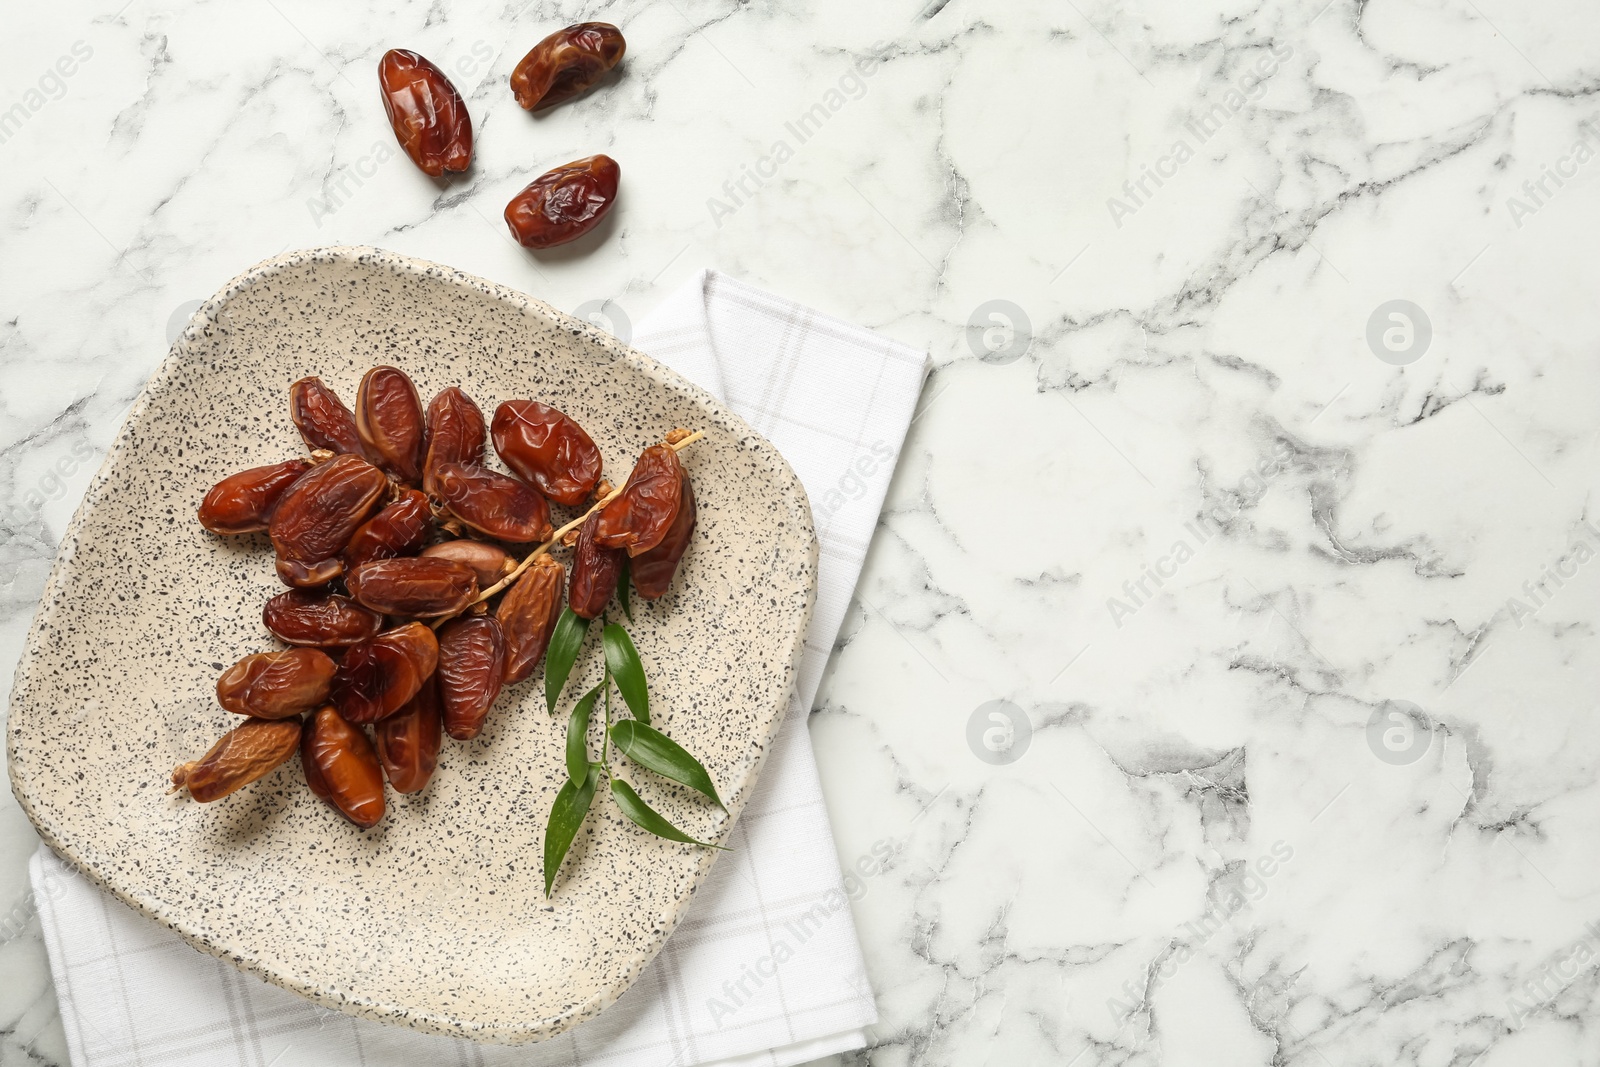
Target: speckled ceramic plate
x=435 y=919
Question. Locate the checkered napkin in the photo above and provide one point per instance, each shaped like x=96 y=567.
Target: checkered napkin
x=765 y=968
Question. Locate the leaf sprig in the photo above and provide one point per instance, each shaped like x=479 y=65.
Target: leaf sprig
x=634 y=738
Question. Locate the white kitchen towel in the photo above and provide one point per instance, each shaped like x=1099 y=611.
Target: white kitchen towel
x=765 y=969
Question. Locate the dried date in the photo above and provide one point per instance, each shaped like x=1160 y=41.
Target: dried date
x=389 y=420
x=314 y=575
x=456 y=431
x=595 y=571
x=652 y=570
x=489 y=562
x=342 y=768
x=640 y=517
x=243 y=755
x=416 y=587
x=319 y=620
x=472 y=664
x=528 y=614
x=566 y=64
x=408 y=741
x=243 y=502
x=317 y=515
x=546 y=449
x=276 y=685
x=564 y=204
x=324 y=422
x=493 y=504
x=429 y=117
x=401 y=529
x=377 y=677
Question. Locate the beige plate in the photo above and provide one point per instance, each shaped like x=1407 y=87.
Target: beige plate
x=435 y=919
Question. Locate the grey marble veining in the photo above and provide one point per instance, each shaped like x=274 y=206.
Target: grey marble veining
x=1223 y=672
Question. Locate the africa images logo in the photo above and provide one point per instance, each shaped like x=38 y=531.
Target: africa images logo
x=998 y=732
x=1399 y=332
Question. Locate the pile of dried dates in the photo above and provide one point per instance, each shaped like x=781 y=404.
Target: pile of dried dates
x=393 y=538
x=431 y=123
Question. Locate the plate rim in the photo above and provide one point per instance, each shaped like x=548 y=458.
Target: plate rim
x=341 y=999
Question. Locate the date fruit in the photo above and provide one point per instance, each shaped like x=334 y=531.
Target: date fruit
x=377 y=677
x=401 y=529
x=493 y=504
x=314 y=575
x=639 y=519
x=595 y=571
x=472 y=665
x=323 y=420
x=389 y=420
x=653 y=570
x=547 y=450
x=317 y=515
x=566 y=64
x=243 y=502
x=429 y=117
x=276 y=685
x=342 y=768
x=243 y=755
x=489 y=562
x=528 y=614
x=319 y=620
x=564 y=204
x=408 y=741
x=414 y=587
x=456 y=430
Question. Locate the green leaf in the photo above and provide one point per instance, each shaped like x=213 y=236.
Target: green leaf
x=623 y=659
x=644 y=815
x=578 y=736
x=654 y=750
x=622 y=588
x=562 y=654
x=566 y=815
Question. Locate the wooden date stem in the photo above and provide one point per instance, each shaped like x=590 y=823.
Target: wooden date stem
x=677 y=445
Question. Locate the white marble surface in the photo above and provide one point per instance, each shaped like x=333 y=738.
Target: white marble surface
x=1200 y=856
